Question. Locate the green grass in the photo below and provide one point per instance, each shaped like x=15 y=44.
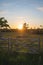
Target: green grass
x=15 y=58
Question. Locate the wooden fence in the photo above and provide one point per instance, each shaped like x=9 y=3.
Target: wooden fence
x=31 y=45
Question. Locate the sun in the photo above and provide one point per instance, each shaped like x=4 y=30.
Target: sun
x=20 y=26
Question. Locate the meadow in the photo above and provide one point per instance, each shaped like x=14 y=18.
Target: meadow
x=18 y=53
x=25 y=35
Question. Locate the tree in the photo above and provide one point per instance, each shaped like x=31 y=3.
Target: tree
x=25 y=26
x=3 y=23
x=41 y=26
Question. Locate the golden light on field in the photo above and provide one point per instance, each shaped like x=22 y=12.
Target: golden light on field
x=20 y=26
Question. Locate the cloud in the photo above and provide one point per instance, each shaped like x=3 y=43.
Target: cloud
x=19 y=17
x=40 y=9
x=3 y=12
x=22 y=17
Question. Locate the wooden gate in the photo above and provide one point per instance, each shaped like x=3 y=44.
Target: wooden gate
x=30 y=45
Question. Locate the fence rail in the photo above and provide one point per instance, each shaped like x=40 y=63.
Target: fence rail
x=32 y=45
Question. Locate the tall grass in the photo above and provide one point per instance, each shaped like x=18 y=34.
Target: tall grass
x=16 y=58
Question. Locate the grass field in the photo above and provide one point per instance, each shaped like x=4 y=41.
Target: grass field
x=21 y=41
x=19 y=58
x=15 y=58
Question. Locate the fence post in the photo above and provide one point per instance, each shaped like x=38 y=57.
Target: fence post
x=8 y=45
x=39 y=44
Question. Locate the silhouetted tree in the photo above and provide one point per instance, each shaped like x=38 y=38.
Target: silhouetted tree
x=3 y=23
x=41 y=26
x=25 y=26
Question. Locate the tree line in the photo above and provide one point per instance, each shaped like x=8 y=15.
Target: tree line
x=4 y=25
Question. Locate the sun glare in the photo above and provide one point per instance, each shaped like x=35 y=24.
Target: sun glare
x=20 y=26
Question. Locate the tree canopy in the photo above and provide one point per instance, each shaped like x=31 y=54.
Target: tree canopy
x=25 y=26
x=3 y=22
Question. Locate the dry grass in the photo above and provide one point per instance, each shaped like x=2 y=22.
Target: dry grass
x=18 y=44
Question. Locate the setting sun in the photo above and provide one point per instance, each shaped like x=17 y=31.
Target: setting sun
x=20 y=26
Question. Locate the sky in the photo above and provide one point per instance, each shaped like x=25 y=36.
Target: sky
x=19 y=11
